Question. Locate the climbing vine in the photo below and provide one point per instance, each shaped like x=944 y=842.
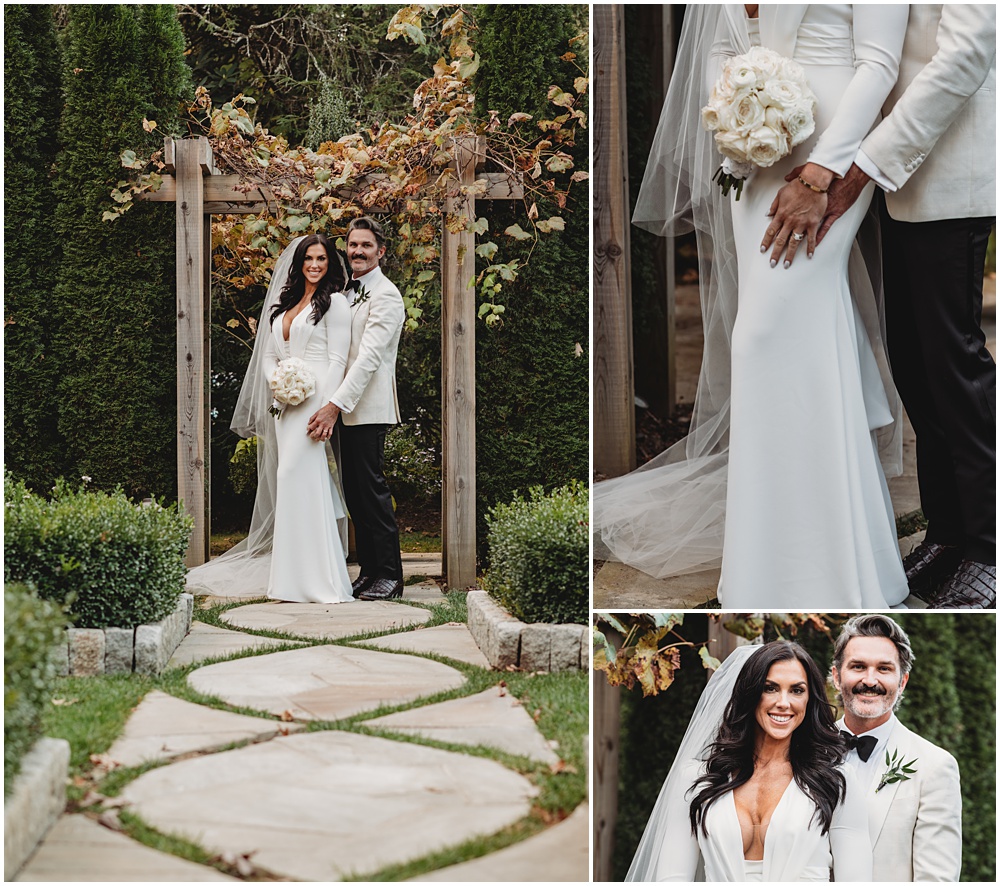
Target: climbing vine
x=401 y=168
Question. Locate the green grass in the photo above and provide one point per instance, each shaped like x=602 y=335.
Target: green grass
x=97 y=708
x=412 y=542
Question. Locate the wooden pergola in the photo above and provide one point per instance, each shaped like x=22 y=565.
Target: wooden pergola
x=199 y=192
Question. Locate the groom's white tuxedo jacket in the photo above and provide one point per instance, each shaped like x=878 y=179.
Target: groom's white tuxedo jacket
x=368 y=393
x=915 y=825
x=937 y=142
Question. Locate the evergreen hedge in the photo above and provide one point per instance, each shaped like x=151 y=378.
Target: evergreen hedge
x=540 y=555
x=31 y=630
x=113 y=299
x=532 y=373
x=110 y=562
x=31 y=248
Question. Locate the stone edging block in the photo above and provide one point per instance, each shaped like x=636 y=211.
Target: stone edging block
x=144 y=650
x=37 y=798
x=508 y=642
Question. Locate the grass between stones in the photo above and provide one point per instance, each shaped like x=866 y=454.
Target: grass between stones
x=91 y=712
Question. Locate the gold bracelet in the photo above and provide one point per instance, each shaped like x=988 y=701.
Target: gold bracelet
x=802 y=181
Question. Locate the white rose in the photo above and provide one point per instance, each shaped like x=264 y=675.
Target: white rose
x=766 y=146
x=780 y=94
x=788 y=69
x=767 y=61
x=733 y=145
x=748 y=112
x=800 y=122
x=743 y=75
x=710 y=117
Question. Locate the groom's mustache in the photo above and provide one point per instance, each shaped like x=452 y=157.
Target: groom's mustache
x=868 y=690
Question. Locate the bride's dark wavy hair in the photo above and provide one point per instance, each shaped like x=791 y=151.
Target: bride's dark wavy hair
x=334 y=281
x=816 y=747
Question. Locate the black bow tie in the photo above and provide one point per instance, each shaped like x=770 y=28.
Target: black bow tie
x=353 y=284
x=863 y=744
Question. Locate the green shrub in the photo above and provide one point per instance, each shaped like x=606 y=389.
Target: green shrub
x=411 y=465
x=539 y=555
x=243 y=465
x=112 y=562
x=31 y=630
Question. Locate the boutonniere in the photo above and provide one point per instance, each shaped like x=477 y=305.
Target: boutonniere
x=362 y=296
x=897 y=770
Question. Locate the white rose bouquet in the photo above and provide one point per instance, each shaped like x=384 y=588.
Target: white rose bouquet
x=760 y=108
x=290 y=384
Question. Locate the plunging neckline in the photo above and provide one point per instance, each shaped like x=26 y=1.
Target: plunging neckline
x=288 y=338
x=777 y=806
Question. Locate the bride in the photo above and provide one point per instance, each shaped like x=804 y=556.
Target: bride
x=757 y=790
x=295 y=547
x=796 y=421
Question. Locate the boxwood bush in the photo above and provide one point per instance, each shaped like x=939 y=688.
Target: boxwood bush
x=31 y=630
x=539 y=550
x=113 y=563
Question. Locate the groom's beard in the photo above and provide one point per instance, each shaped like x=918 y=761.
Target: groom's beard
x=871 y=711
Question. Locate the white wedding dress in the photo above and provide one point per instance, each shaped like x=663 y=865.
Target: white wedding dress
x=795 y=849
x=808 y=523
x=307 y=559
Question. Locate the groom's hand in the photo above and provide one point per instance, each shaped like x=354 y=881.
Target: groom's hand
x=841 y=197
x=321 y=422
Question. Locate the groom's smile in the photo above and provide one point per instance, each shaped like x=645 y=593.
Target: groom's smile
x=870 y=680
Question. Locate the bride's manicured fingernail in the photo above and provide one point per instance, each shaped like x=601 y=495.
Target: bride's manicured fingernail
x=763 y=248
x=788 y=264
x=809 y=255
x=774 y=263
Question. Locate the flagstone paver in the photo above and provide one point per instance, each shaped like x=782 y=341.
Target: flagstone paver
x=556 y=855
x=324 y=682
x=424 y=592
x=322 y=805
x=207 y=641
x=488 y=718
x=162 y=727
x=331 y=621
x=78 y=849
x=450 y=640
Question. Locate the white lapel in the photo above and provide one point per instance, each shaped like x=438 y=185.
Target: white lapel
x=879 y=801
x=779 y=26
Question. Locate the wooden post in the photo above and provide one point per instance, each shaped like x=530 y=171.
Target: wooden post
x=668 y=40
x=613 y=383
x=607 y=738
x=191 y=159
x=458 y=387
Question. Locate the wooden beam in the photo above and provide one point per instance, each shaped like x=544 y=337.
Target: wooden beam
x=189 y=156
x=458 y=389
x=607 y=739
x=613 y=383
x=226 y=195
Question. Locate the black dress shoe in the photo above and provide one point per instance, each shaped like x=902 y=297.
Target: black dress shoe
x=973 y=586
x=928 y=566
x=361 y=584
x=384 y=589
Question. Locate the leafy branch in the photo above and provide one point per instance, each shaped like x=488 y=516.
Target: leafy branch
x=404 y=168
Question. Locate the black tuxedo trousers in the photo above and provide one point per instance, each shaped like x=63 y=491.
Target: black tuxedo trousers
x=369 y=501
x=933 y=278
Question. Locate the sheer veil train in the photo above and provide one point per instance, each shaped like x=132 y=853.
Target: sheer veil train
x=244 y=569
x=668 y=516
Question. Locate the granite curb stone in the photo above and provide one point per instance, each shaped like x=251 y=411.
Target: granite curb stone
x=36 y=800
x=508 y=642
x=143 y=650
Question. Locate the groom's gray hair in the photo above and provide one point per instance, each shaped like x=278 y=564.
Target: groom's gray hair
x=874 y=625
x=367 y=223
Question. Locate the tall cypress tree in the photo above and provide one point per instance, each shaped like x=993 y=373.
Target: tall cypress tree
x=531 y=384
x=31 y=250
x=114 y=295
x=976 y=678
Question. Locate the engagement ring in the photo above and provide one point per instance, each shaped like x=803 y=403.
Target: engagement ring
x=797 y=236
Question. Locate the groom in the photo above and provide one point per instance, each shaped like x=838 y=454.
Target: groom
x=915 y=822
x=934 y=155
x=367 y=406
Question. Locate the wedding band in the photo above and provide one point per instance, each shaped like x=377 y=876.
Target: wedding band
x=798 y=236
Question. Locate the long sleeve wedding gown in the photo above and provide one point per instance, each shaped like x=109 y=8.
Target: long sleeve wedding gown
x=781 y=474
x=307 y=559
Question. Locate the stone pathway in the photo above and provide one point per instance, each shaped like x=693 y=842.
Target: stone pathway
x=324 y=805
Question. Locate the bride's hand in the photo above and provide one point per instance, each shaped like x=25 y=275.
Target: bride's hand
x=796 y=214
